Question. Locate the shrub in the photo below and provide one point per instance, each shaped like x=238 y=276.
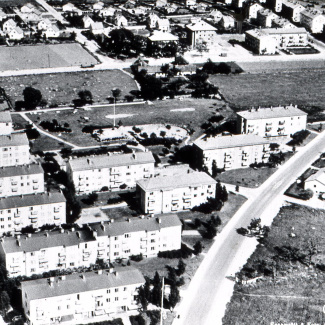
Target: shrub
x=136 y=258
x=184 y=252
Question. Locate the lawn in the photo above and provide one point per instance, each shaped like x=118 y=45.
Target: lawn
x=296 y=294
x=247 y=177
x=44 y=56
x=62 y=88
x=157 y=113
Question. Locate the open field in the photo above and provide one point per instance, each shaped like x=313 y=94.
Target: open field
x=62 y=88
x=272 y=89
x=44 y=56
x=140 y=114
x=296 y=293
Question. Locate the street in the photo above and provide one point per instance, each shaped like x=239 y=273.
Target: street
x=205 y=300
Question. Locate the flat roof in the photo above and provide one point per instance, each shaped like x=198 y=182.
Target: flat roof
x=29 y=169
x=82 y=282
x=14 y=139
x=271 y=112
x=106 y=161
x=230 y=141
x=172 y=182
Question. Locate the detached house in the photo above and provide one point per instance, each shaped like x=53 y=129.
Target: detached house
x=8 y=25
x=201 y=31
x=253 y=9
x=316 y=182
x=87 y=21
x=163 y=25
x=52 y=31
x=97 y=28
x=265 y=17
x=44 y=24
x=120 y=21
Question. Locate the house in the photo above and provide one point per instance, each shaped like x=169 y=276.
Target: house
x=189 y=3
x=316 y=182
x=107 y=12
x=3 y=15
x=200 y=31
x=227 y=22
x=44 y=24
x=265 y=17
x=107 y=241
x=216 y=15
x=253 y=10
x=68 y=7
x=292 y=10
x=164 y=194
x=34 y=210
x=93 y=173
x=52 y=32
x=8 y=26
x=312 y=20
x=6 y=127
x=162 y=37
x=98 y=5
x=120 y=21
x=97 y=28
x=281 y=121
x=152 y=20
x=163 y=25
x=238 y=3
x=87 y=21
x=201 y=7
x=171 y=8
x=76 y=297
x=27 y=8
x=161 y=3
x=270 y=40
x=14 y=149
x=231 y=152
x=21 y=180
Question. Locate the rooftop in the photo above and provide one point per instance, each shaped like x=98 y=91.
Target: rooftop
x=319 y=176
x=106 y=161
x=30 y=169
x=77 y=283
x=158 y=36
x=14 y=139
x=172 y=182
x=271 y=112
x=276 y=31
x=200 y=26
x=230 y=141
x=5 y=117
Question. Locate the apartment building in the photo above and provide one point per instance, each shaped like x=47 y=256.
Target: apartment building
x=253 y=10
x=80 y=298
x=279 y=121
x=265 y=17
x=14 y=148
x=270 y=40
x=292 y=10
x=17 y=212
x=5 y=123
x=312 y=20
x=172 y=194
x=94 y=173
x=108 y=241
x=199 y=32
x=21 y=180
x=230 y=152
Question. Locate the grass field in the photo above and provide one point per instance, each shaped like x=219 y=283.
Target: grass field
x=296 y=294
x=44 y=56
x=62 y=88
x=272 y=89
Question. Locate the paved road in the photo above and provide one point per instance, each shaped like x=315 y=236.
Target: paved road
x=52 y=11
x=206 y=293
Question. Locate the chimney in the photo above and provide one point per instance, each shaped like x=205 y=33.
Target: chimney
x=100 y=272
x=116 y=273
x=18 y=243
x=72 y=229
x=129 y=219
x=95 y=233
x=103 y=227
x=29 y=235
x=159 y=220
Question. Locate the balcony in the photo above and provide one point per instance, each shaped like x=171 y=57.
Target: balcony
x=281 y=122
x=144 y=239
x=116 y=173
x=187 y=196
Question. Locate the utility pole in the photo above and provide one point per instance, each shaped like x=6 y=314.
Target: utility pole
x=162 y=301
x=114 y=110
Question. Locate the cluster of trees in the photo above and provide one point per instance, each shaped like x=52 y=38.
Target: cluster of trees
x=202 y=88
x=214 y=68
x=55 y=126
x=32 y=99
x=298 y=137
x=85 y=97
x=254 y=229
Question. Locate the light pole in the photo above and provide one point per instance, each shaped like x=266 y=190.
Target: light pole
x=114 y=110
x=162 y=301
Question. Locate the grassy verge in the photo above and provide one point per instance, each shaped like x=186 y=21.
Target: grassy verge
x=291 y=288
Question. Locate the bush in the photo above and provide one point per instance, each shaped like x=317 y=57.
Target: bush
x=299 y=137
x=137 y=320
x=184 y=252
x=136 y=258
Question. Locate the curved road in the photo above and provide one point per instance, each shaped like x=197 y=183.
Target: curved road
x=205 y=299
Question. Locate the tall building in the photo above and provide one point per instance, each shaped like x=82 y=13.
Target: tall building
x=201 y=32
x=6 y=127
x=75 y=298
x=171 y=194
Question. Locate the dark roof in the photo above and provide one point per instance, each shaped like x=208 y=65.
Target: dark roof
x=78 y=283
x=21 y=170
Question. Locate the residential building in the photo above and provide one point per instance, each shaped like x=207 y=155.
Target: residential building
x=3 y=15
x=44 y=24
x=76 y=297
x=272 y=122
x=94 y=173
x=163 y=25
x=216 y=15
x=27 y=8
x=162 y=37
x=161 y=3
x=201 y=32
x=312 y=20
x=17 y=212
x=265 y=17
x=14 y=148
x=98 y=5
x=270 y=40
x=189 y=3
x=292 y=10
x=52 y=32
x=120 y=21
x=152 y=20
x=8 y=25
x=316 y=182
x=108 y=241
x=16 y=34
x=237 y=3
x=87 y=21
x=227 y=22
x=231 y=152
x=107 y=12
x=6 y=124
x=282 y=23
x=97 y=28
x=171 y=194
x=21 y=180
x=253 y=9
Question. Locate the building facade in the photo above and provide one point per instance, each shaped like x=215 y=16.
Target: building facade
x=108 y=241
x=6 y=127
x=172 y=194
x=279 y=121
x=94 y=173
x=231 y=152
x=312 y=20
x=201 y=32
x=75 y=298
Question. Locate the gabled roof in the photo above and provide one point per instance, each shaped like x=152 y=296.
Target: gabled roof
x=78 y=283
x=140 y=62
x=5 y=117
x=55 y=28
x=180 y=60
x=10 y=22
x=97 y=25
x=12 y=171
x=312 y=13
x=200 y=26
x=181 y=181
x=158 y=36
x=319 y=177
x=13 y=140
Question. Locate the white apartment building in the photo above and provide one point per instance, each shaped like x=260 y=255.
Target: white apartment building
x=94 y=173
x=14 y=148
x=201 y=32
x=265 y=17
x=312 y=20
x=230 y=152
x=292 y=10
x=21 y=180
x=108 y=241
x=279 y=121
x=17 y=212
x=253 y=10
x=77 y=298
x=171 y=194
x=5 y=123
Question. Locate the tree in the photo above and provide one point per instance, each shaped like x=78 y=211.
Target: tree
x=214 y=169
x=174 y=296
x=156 y=290
x=116 y=92
x=85 y=96
x=4 y=302
x=164 y=68
x=211 y=231
x=162 y=134
x=32 y=97
x=201 y=46
x=92 y=198
x=181 y=267
x=198 y=248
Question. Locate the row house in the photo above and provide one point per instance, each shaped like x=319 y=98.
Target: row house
x=111 y=171
x=292 y=10
x=231 y=152
x=279 y=121
x=36 y=210
x=21 y=180
x=201 y=31
x=75 y=298
x=312 y=20
x=14 y=149
x=108 y=241
x=6 y=127
x=171 y=194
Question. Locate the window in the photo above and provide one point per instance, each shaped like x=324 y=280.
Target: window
x=152 y=241
x=116 y=289
x=108 y=291
x=9 y=211
x=116 y=253
x=72 y=264
x=32 y=270
x=78 y=296
x=124 y=289
x=108 y=300
x=115 y=238
x=116 y=298
x=195 y=195
x=127 y=235
x=32 y=254
x=195 y=188
x=9 y=218
x=2 y=219
x=152 y=248
x=86 y=245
